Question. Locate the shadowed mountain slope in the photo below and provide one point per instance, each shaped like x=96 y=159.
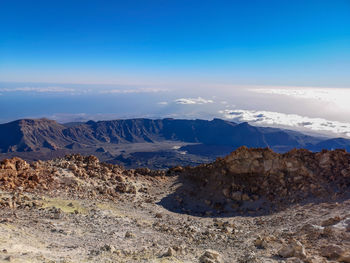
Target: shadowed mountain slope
x=31 y=135
x=215 y=137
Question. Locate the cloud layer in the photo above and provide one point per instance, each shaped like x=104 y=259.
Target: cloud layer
x=337 y=96
x=38 y=89
x=82 y=90
x=135 y=90
x=189 y=101
x=293 y=121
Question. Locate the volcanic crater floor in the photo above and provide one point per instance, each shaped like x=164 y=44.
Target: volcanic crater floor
x=72 y=217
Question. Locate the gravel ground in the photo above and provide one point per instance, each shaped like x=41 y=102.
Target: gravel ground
x=77 y=209
x=62 y=228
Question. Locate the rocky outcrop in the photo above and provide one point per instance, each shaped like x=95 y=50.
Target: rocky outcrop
x=258 y=179
x=17 y=174
x=246 y=181
x=75 y=174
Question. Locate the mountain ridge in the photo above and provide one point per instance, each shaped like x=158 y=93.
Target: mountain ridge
x=203 y=138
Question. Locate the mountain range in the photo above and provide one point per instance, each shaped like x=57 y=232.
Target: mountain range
x=164 y=142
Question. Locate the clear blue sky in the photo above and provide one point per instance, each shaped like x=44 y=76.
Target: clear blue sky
x=289 y=42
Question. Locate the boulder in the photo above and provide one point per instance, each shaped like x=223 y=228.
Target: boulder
x=211 y=256
x=293 y=249
x=332 y=251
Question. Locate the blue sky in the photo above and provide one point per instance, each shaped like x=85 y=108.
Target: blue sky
x=272 y=62
x=148 y=42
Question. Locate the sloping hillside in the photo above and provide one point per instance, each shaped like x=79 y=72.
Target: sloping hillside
x=32 y=135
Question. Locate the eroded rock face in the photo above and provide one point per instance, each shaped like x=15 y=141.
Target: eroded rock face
x=253 y=179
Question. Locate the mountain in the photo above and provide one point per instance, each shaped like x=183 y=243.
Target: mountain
x=182 y=141
x=31 y=135
x=335 y=143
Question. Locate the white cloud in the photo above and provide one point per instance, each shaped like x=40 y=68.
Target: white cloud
x=163 y=103
x=294 y=121
x=337 y=96
x=129 y=91
x=38 y=89
x=188 y=101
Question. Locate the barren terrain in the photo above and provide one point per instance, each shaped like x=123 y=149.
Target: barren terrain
x=76 y=209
